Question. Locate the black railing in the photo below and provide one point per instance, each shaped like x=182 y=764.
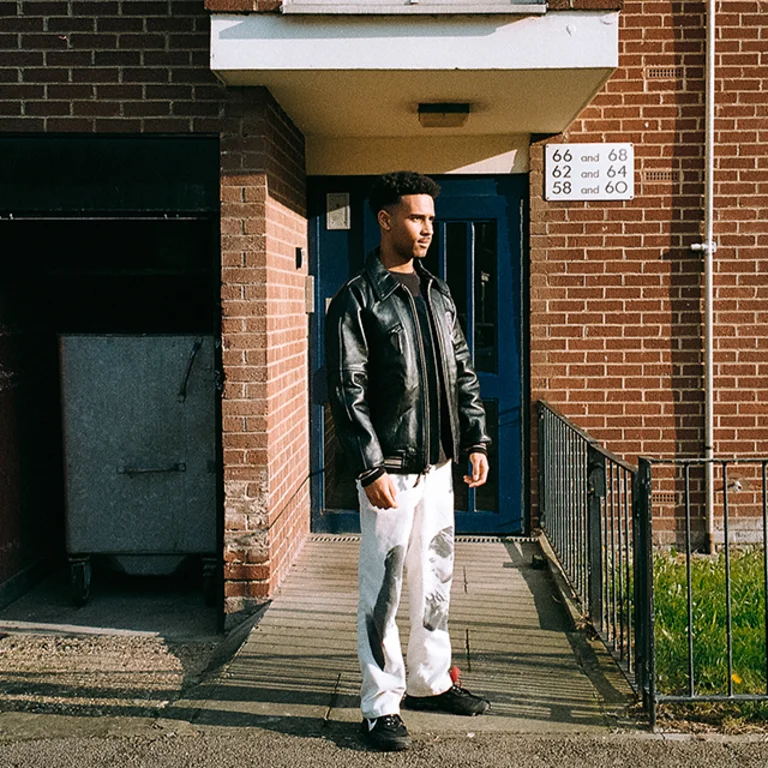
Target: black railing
x=704 y=618
x=585 y=502
x=686 y=627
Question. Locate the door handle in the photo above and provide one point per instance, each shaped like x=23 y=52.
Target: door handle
x=122 y=469
x=182 y=396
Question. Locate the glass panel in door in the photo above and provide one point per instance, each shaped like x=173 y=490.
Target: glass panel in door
x=464 y=254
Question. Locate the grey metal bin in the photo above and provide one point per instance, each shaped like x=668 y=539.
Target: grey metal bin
x=140 y=453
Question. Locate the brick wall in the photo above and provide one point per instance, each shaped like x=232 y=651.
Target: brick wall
x=266 y=449
x=106 y=66
x=616 y=292
x=143 y=67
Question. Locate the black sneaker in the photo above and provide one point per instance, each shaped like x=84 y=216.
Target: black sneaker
x=387 y=733
x=455 y=701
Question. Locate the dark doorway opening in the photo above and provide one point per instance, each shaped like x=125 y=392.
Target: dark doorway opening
x=101 y=235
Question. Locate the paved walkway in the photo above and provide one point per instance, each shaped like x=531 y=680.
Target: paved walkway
x=511 y=634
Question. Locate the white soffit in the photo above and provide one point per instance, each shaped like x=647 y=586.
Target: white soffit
x=381 y=7
x=365 y=76
x=351 y=156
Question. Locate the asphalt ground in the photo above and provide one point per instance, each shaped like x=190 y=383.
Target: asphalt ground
x=340 y=747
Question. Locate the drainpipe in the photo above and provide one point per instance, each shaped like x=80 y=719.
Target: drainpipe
x=708 y=248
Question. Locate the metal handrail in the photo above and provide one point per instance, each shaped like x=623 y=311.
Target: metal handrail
x=585 y=500
x=591 y=440
x=609 y=557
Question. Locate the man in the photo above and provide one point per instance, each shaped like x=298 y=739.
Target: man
x=405 y=401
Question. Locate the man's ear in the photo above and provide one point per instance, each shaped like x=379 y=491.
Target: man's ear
x=385 y=220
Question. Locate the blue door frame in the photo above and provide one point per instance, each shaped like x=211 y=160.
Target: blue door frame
x=476 y=215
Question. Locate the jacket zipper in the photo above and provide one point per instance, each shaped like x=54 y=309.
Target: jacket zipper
x=422 y=356
x=454 y=431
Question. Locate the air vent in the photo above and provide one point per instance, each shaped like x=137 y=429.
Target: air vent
x=664 y=73
x=329 y=539
x=493 y=539
x=665 y=498
x=335 y=539
x=661 y=176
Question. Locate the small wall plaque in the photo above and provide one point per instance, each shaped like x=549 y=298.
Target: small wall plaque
x=589 y=172
x=337 y=210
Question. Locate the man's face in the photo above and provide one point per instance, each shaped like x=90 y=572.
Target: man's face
x=410 y=225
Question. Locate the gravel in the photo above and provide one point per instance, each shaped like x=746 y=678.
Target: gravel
x=95 y=675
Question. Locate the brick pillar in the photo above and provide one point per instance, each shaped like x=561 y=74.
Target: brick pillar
x=265 y=354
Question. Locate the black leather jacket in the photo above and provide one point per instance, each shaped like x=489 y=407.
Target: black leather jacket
x=377 y=376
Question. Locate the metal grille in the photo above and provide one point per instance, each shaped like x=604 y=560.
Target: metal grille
x=331 y=539
x=665 y=73
x=661 y=176
x=466 y=539
x=462 y=538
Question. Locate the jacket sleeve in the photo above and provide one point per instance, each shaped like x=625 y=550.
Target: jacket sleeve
x=472 y=428
x=346 y=360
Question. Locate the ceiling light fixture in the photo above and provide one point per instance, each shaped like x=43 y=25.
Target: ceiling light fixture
x=443 y=115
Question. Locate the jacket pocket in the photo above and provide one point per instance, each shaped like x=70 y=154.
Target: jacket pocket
x=395 y=338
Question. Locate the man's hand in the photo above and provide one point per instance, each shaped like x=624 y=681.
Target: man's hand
x=382 y=492
x=479 y=470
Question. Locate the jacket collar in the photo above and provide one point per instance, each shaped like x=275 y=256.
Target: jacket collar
x=382 y=281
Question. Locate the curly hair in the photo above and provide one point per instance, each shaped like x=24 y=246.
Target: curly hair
x=389 y=188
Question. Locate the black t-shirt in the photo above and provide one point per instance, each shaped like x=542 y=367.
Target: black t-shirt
x=439 y=426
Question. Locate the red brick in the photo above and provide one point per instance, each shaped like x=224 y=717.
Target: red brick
x=150 y=8
x=48 y=75
x=117 y=58
x=34 y=8
x=95 y=75
x=140 y=42
x=246 y=572
x=92 y=41
x=255 y=589
x=119 y=24
x=43 y=42
x=69 y=58
x=96 y=8
x=24 y=59
x=47 y=108
x=69 y=124
x=97 y=108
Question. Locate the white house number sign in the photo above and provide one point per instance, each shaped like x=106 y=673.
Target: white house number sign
x=589 y=172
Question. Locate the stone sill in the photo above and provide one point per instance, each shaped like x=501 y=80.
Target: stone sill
x=273 y=6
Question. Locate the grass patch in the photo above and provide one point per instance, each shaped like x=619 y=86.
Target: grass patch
x=709 y=621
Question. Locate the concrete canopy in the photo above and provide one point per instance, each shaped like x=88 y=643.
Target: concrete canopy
x=341 y=76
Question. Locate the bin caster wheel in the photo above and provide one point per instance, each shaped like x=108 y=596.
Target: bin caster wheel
x=80 y=581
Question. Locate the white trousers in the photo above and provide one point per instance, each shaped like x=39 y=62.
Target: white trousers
x=416 y=537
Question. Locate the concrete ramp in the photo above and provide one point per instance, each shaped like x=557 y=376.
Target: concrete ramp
x=511 y=636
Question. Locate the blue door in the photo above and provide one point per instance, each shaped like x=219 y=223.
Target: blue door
x=477 y=250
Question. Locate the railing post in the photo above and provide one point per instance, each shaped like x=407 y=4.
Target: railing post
x=595 y=495
x=543 y=479
x=645 y=662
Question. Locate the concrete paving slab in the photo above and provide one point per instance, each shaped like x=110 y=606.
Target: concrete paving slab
x=172 y=608
x=512 y=638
